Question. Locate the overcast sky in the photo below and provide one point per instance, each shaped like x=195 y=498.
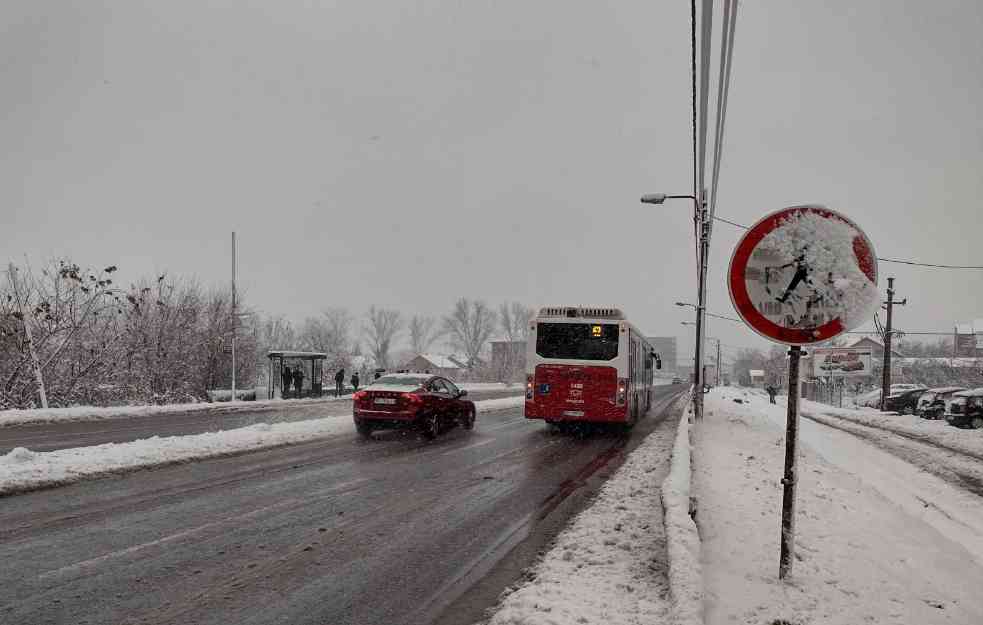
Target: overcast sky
x=404 y=154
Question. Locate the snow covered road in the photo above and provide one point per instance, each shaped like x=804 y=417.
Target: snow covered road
x=337 y=530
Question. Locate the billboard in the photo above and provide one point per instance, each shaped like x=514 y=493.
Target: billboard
x=839 y=362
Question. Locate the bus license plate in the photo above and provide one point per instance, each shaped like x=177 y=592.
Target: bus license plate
x=573 y=413
x=385 y=400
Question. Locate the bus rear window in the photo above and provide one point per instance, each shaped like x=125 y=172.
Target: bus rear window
x=577 y=341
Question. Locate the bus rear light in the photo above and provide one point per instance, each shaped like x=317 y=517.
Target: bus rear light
x=622 y=393
x=529 y=385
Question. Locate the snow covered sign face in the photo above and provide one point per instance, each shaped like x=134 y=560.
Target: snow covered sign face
x=803 y=275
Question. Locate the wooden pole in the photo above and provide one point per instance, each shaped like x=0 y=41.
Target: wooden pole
x=789 y=479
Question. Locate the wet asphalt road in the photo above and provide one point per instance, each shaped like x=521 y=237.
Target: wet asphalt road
x=51 y=436
x=338 y=531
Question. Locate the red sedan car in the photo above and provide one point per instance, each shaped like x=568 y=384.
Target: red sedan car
x=429 y=403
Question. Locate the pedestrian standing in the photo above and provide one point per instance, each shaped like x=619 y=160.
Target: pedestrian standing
x=298 y=380
x=339 y=382
x=772 y=391
x=286 y=376
x=355 y=382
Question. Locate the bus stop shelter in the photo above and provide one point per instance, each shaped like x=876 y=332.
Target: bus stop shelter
x=311 y=364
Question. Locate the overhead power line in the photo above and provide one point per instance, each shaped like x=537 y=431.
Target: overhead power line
x=913 y=263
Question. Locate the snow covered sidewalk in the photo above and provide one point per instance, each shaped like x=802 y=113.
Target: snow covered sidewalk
x=878 y=540
x=23 y=470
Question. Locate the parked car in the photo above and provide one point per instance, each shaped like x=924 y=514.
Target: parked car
x=966 y=408
x=872 y=399
x=931 y=405
x=429 y=403
x=903 y=401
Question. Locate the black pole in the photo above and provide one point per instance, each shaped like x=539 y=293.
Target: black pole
x=788 y=480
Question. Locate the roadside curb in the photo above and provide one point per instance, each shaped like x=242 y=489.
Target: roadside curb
x=682 y=537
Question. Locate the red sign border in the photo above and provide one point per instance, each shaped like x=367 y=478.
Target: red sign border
x=739 y=297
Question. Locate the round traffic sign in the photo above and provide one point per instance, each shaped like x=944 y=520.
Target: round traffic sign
x=802 y=275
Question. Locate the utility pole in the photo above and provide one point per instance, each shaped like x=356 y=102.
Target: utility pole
x=12 y=276
x=235 y=317
x=718 y=362
x=889 y=305
x=703 y=227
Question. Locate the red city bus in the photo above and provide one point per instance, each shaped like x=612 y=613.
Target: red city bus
x=587 y=365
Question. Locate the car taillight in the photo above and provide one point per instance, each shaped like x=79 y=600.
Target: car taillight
x=413 y=398
x=622 y=392
x=529 y=385
x=359 y=396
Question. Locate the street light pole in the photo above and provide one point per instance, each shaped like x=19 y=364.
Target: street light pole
x=700 y=215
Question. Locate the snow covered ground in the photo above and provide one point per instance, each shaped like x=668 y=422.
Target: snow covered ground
x=937 y=431
x=878 y=539
x=606 y=566
x=22 y=470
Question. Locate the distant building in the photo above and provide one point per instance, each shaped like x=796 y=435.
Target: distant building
x=757 y=377
x=968 y=339
x=438 y=364
x=508 y=360
x=665 y=347
x=876 y=349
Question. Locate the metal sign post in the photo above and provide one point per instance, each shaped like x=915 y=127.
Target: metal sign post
x=793 y=280
x=789 y=478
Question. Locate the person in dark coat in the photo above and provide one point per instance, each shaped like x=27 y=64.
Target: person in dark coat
x=354 y=381
x=772 y=391
x=298 y=380
x=339 y=382
x=286 y=377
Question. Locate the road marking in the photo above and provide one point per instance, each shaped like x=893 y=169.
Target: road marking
x=78 y=566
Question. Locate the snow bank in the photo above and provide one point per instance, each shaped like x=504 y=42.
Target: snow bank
x=604 y=567
x=937 y=432
x=23 y=470
x=682 y=537
x=98 y=413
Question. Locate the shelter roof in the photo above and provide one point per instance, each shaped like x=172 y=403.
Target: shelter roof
x=286 y=353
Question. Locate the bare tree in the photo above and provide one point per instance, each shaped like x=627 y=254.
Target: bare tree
x=514 y=321
x=330 y=333
x=381 y=327
x=469 y=326
x=424 y=330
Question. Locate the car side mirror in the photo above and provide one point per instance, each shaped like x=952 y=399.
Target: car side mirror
x=462 y=393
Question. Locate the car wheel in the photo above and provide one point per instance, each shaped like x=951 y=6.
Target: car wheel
x=468 y=421
x=430 y=426
x=907 y=410
x=364 y=429
x=977 y=423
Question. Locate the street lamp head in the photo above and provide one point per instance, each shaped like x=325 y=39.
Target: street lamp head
x=653 y=198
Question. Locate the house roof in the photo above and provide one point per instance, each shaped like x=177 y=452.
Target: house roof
x=440 y=361
x=869 y=341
